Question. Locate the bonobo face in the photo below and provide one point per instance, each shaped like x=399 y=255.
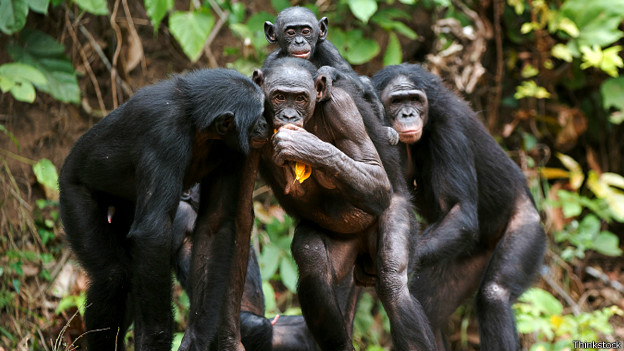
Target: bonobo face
x=291 y=96
x=406 y=106
x=297 y=32
x=259 y=133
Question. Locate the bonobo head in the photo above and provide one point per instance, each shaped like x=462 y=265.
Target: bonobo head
x=297 y=32
x=404 y=100
x=291 y=91
x=228 y=103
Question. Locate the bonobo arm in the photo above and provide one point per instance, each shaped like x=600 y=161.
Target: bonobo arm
x=353 y=162
x=454 y=179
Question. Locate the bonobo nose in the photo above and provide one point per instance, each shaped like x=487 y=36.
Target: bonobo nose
x=289 y=115
x=408 y=113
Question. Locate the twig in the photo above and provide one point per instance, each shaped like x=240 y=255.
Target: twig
x=575 y=307
x=212 y=61
x=134 y=33
x=85 y=61
x=113 y=70
x=18 y=157
x=596 y=273
x=124 y=86
x=493 y=117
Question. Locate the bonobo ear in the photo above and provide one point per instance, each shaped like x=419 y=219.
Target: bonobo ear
x=258 y=77
x=224 y=122
x=269 y=32
x=322 y=85
x=323 y=28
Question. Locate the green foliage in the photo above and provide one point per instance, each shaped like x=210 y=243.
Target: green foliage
x=42 y=52
x=276 y=262
x=13 y=15
x=369 y=327
x=363 y=9
x=96 y=7
x=191 y=29
x=71 y=301
x=353 y=46
x=156 y=10
x=587 y=235
x=18 y=78
x=542 y=315
x=45 y=171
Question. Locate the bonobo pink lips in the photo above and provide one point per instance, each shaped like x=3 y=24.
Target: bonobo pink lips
x=301 y=54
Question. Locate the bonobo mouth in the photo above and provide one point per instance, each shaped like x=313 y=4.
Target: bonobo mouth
x=277 y=126
x=410 y=136
x=257 y=143
x=301 y=54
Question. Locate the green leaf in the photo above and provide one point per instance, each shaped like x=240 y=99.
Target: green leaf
x=288 y=272
x=279 y=5
x=156 y=10
x=543 y=301
x=96 y=7
x=58 y=70
x=354 y=47
x=597 y=20
x=561 y=52
x=13 y=15
x=394 y=54
x=404 y=30
x=589 y=226
x=46 y=174
x=363 y=9
x=18 y=71
x=607 y=243
x=269 y=297
x=11 y=136
x=191 y=29
x=612 y=91
x=40 y=6
x=269 y=261
x=23 y=91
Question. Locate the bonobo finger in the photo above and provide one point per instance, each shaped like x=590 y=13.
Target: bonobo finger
x=291 y=126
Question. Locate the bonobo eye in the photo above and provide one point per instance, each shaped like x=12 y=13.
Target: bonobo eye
x=301 y=99
x=306 y=31
x=279 y=98
x=290 y=32
x=415 y=98
x=395 y=101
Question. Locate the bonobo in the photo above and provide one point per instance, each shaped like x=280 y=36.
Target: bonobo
x=299 y=34
x=282 y=333
x=483 y=228
x=131 y=168
x=352 y=210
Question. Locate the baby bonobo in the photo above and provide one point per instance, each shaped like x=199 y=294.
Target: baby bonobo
x=299 y=34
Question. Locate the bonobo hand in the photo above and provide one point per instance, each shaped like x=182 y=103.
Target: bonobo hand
x=393 y=136
x=292 y=143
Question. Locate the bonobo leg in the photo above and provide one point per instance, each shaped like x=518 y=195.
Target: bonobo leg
x=443 y=286
x=150 y=239
x=323 y=262
x=213 y=245
x=408 y=324
x=98 y=246
x=516 y=259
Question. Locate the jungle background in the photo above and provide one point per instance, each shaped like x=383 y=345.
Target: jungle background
x=543 y=75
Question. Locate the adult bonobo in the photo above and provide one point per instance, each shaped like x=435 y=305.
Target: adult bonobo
x=282 y=333
x=350 y=212
x=136 y=162
x=299 y=34
x=483 y=228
